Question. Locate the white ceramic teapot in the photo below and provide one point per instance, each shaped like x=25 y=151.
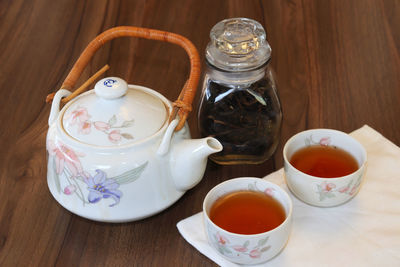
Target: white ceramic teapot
x=117 y=153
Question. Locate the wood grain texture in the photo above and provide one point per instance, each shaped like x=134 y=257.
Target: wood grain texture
x=337 y=64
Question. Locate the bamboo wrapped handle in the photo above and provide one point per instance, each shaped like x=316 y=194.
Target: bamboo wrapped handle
x=183 y=105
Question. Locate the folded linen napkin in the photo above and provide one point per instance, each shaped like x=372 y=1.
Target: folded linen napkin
x=362 y=232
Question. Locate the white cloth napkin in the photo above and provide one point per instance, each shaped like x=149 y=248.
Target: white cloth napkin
x=362 y=232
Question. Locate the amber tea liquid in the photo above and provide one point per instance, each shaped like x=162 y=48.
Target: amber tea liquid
x=247 y=212
x=324 y=161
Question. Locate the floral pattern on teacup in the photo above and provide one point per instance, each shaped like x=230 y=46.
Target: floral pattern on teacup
x=324 y=141
x=268 y=191
x=70 y=175
x=328 y=190
x=230 y=249
x=81 y=118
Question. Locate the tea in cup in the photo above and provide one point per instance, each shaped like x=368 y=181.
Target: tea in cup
x=324 y=167
x=247 y=220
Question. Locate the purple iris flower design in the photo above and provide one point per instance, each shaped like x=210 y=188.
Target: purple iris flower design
x=100 y=187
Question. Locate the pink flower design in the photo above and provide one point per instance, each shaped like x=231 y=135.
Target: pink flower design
x=84 y=127
x=239 y=248
x=79 y=115
x=65 y=157
x=344 y=189
x=269 y=191
x=255 y=253
x=68 y=190
x=222 y=240
x=327 y=187
x=353 y=190
x=325 y=141
x=81 y=118
x=101 y=126
x=115 y=136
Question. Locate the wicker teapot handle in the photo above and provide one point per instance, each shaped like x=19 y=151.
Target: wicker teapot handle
x=183 y=105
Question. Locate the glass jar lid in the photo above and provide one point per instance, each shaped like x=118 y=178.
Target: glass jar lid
x=114 y=114
x=238 y=44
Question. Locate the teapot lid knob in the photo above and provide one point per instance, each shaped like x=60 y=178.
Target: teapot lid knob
x=111 y=88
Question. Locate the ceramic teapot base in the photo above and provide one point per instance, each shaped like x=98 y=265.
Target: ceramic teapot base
x=105 y=211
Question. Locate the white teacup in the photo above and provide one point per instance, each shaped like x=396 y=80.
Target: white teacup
x=253 y=248
x=317 y=191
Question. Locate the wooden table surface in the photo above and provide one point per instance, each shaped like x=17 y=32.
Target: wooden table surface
x=337 y=65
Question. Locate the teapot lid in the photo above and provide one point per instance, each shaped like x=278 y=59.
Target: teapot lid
x=114 y=114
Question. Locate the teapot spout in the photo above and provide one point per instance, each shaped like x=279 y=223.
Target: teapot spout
x=189 y=160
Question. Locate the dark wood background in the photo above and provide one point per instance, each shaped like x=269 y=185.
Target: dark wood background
x=337 y=65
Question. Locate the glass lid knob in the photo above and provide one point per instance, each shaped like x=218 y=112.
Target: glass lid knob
x=238 y=44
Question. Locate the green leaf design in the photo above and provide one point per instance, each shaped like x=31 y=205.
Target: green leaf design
x=127 y=136
x=319 y=188
x=329 y=194
x=56 y=177
x=307 y=141
x=214 y=236
x=265 y=248
x=130 y=176
x=127 y=124
x=251 y=187
x=113 y=120
x=358 y=181
x=262 y=242
x=246 y=244
x=349 y=184
x=226 y=249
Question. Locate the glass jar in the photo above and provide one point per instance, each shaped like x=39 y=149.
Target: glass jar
x=239 y=103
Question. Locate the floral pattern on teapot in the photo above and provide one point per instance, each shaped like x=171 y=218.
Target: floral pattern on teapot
x=67 y=167
x=80 y=118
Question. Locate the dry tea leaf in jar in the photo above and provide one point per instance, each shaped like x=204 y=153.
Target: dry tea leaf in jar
x=239 y=104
